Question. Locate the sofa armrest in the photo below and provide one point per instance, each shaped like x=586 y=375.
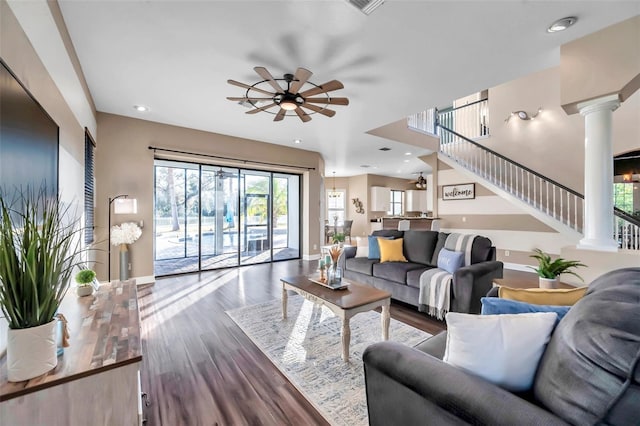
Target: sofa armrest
x=349 y=251
x=407 y=386
x=470 y=283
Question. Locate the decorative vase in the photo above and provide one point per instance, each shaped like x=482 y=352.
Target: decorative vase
x=124 y=262
x=84 y=290
x=31 y=352
x=334 y=274
x=549 y=283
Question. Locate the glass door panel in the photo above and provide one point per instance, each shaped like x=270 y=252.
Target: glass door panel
x=255 y=205
x=174 y=245
x=219 y=217
x=286 y=216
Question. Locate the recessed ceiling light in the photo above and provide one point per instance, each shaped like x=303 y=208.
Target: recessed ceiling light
x=297 y=141
x=140 y=108
x=407 y=153
x=406 y=161
x=562 y=24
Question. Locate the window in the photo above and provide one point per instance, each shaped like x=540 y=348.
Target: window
x=396 y=204
x=623 y=196
x=336 y=206
x=89 y=185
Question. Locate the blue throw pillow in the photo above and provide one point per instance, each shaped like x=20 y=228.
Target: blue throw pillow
x=497 y=306
x=450 y=260
x=374 y=247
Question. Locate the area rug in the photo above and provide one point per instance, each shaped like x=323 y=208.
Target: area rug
x=306 y=348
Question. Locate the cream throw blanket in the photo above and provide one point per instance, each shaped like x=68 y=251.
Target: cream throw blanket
x=435 y=284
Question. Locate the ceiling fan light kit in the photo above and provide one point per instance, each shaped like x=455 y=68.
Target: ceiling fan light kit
x=291 y=98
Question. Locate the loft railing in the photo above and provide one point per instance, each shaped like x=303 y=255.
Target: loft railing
x=547 y=195
x=471 y=120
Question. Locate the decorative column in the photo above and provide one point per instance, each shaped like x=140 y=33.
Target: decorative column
x=598 y=173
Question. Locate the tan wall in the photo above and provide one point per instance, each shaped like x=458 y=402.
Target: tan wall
x=602 y=63
x=358 y=189
x=16 y=51
x=553 y=143
x=125 y=166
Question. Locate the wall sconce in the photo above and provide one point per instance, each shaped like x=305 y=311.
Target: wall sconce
x=121 y=205
x=523 y=115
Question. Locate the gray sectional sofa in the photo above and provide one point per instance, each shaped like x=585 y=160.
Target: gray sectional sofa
x=421 y=249
x=589 y=373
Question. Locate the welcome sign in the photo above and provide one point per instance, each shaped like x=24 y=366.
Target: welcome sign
x=465 y=191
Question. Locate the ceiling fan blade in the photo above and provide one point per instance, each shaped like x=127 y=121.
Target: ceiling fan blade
x=326 y=87
x=303 y=115
x=328 y=101
x=262 y=72
x=280 y=115
x=323 y=111
x=299 y=79
x=246 y=86
x=231 y=98
x=266 y=107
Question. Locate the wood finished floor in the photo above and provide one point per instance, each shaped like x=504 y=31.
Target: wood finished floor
x=199 y=368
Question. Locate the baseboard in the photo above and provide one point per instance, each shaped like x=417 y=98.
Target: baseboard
x=311 y=256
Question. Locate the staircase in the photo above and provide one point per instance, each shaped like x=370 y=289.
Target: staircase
x=552 y=203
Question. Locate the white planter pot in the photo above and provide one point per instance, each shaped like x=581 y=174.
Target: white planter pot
x=84 y=290
x=31 y=352
x=549 y=282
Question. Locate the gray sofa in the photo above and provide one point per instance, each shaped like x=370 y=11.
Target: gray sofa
x=589 y=373
x=421 y=248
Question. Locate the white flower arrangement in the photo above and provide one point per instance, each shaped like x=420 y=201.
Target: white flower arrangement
x=125 y=233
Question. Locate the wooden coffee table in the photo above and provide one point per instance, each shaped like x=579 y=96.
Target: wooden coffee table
x=344 y=303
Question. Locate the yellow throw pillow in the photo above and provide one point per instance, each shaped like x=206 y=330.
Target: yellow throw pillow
x=391 y=250
x=542 y=296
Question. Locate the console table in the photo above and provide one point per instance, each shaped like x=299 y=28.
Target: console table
x=97 y=379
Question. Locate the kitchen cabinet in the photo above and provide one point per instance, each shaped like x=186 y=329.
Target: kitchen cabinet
x=415 y=200
x=379 y=199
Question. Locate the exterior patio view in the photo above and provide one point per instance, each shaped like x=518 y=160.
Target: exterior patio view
x=209 y=217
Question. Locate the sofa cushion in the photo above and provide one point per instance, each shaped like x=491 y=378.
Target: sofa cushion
x=391 y=250
x=362 y=247
x=394 y=271
x=590 y=371
x=393 y=233
x=450 y=261
x=413 y=276
x=480 y=250
x=442 y=238
x=497 y=306
x=503 y=349
x=360 y=264
x=419 y=246
x=374 y=246
x=543 y=296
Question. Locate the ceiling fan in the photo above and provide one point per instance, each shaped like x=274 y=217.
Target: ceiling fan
x=420 y=183
x=299 y=93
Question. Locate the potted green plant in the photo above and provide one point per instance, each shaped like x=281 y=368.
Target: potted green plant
x=549 y=270
x=85 y=278
x=338 y=238
x=39 y=246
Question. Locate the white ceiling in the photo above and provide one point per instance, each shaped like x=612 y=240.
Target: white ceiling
x=176 y=57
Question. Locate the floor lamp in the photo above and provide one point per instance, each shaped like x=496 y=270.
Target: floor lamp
x=122 y=205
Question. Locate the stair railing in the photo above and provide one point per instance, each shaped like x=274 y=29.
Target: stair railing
x=547 y=195
x=540 y=192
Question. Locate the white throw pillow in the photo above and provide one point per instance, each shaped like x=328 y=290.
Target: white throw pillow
x=502 y=349
x=363 y=247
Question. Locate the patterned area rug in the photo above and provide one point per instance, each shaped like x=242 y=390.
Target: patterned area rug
x=306 y=347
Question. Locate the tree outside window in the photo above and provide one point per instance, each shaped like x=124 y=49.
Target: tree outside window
x=396 y=203
x=623 y=196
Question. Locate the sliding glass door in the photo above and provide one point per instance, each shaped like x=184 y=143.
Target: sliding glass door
x=209 y=217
